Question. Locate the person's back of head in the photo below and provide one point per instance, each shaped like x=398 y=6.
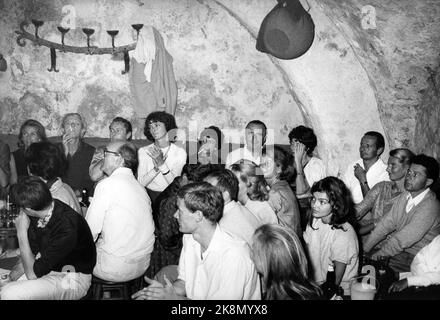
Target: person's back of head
x=250 y=174
x=203 y=197
x=128 y=152
x=32 y=193
x=44 y=159
x=197 y=172
x=226 y=181
x=280 y=258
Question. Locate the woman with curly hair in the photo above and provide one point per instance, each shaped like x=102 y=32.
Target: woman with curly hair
x=161 y=161
x=280 y=260
x=332 y=243
x=253 y=191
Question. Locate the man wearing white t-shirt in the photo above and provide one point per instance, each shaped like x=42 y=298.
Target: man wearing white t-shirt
x=369 y=170
x=213 y=264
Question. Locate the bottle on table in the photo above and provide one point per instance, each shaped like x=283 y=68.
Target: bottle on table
x=329 y=287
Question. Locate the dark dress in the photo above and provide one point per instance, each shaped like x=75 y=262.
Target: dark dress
x=168 y=242
x=20 y=163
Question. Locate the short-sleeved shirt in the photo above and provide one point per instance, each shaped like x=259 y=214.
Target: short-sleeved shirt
x=314 y=171
x=224 y=271
x=326 y=245
x=375 y=174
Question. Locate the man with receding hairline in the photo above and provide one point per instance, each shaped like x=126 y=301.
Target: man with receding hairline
x=365 y=173
x=78 y=153
x=120 y=217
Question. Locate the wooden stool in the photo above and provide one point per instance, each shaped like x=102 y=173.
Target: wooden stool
x=124 y=290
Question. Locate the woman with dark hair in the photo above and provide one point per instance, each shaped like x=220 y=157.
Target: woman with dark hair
x=278 y=171
x=161 y=161
x=280 y=260
x=309 y=168
x=253 y=191
x=381 y=197
x=46 y=161
x=30 y=131
x=331 y=240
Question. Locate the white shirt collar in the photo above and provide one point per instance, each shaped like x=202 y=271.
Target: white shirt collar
x=418 y=198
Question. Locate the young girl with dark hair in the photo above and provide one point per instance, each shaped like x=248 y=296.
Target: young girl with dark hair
x=332 y=243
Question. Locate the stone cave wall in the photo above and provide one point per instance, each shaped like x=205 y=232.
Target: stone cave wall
x=427 y=130
x=221 y=78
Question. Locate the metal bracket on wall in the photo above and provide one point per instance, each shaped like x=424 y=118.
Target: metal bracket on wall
x=25 y=35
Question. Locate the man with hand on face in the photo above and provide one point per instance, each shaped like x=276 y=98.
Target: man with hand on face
x=120 y=130
x=255 y=135
x=366 y=172
x=213 y=264
x=413 y=221
x=120 y=217
x=78 y=154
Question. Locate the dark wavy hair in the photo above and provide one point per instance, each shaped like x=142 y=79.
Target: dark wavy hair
x=41 y=131
x=340 y=201
x=226 y=181
x=159 y=116
x=45 y=160
x=31 y=192
x=306 y=136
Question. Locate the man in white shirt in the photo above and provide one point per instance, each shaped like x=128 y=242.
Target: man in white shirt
x=120 y=218
x=425 y=268
x=213 y=265
x=236 y=219
x=413 y=221
x=255 y=138
x=366 y=172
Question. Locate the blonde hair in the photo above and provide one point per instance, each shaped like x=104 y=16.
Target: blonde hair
x=280 y=258
x=257 y=187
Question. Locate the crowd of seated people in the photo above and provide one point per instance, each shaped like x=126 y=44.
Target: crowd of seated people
x=259 y=222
